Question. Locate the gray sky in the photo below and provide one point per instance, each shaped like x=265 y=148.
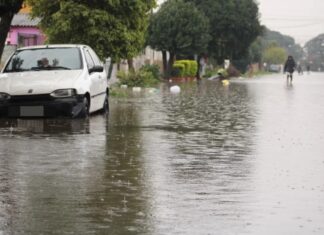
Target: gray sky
x=301 y=19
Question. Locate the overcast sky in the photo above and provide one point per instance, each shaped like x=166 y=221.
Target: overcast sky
x=301 y=19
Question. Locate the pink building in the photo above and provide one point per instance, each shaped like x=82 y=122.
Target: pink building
x=24 y=31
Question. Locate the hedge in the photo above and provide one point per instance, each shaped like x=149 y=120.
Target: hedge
x=187 y=68
x=180 y=68
x=146 y=76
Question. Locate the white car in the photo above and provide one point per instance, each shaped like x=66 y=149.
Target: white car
x=53 y=80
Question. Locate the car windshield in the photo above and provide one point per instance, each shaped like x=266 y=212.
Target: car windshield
x=67 y=58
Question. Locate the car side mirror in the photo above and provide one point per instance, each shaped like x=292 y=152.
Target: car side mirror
x=96 y=68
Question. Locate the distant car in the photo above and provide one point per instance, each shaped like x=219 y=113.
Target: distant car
x=53 y=80
x=275 y=68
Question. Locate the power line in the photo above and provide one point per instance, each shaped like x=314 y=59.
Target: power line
x=294 y=19
x=301 y=26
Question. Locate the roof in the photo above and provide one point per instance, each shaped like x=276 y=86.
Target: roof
x=25 y=8
x=51 y=46
x=24 y=20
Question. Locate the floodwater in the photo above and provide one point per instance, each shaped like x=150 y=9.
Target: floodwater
x=247 y=158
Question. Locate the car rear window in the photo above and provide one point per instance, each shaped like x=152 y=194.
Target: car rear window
x=45 y=58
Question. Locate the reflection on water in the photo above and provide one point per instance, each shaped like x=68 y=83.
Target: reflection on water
x=45 y=165
x=198 y=150
x=45 y=126
x=204 y=161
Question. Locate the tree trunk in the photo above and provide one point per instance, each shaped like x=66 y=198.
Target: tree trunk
x=171 y=61
x=130 y=64
x=165 y=61
x=199 y=67
x=165 y=64
x=5 y=22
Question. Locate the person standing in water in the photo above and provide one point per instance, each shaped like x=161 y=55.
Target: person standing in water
x=308 y=68
x=289 y=68
x=300 y=69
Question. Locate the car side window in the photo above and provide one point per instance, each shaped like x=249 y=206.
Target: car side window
x=90 y=62
x=95 y=58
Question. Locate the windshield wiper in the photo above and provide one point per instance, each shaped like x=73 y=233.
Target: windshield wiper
x=60 y=67
x=49 y=68
x=40 y=68
x=14 y=70
x=35 y=68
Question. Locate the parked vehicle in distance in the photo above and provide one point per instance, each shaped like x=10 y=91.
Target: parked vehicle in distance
x=276 y=68
x=53 y=80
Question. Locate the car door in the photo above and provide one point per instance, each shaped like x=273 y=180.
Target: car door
x=95 y=79
x=103 y=75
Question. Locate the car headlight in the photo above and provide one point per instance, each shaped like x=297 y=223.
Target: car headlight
x=4 y=96
x=63 y=93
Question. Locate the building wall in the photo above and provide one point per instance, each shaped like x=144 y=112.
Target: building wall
x=30 y=35
x=149 y=56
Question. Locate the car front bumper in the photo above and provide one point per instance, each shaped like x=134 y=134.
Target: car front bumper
x=41 y=106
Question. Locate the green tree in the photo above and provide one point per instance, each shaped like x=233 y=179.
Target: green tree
x=8 y=8
x=274 y=55
x=255 y=51
x=315 y=53
x=234 y=26
x=284 y=41
x=179 y=28
x=112 y=28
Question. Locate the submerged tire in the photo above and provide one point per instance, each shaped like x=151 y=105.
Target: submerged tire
x=105 y=108
x=84 y=113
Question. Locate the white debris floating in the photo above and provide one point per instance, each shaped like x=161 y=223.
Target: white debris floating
x=175 y=89
x=123 y=86
x=150 y=90
x=137 y=89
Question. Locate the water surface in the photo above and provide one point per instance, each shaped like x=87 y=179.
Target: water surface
x=240 y=159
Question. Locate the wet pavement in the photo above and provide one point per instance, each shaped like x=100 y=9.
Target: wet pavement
x=247 y=158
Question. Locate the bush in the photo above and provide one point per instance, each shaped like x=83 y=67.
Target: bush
x=175 y=72
x=187 y=68
x=223 y=72
x=241 y=64
x=232 y=71
x=186 y=64
x=193 y=68
x=180 y=68
x=214 y=71
x=153 y=68
x=139 y=78
x=210 y=72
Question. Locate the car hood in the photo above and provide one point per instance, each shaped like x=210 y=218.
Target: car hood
x=41 y=82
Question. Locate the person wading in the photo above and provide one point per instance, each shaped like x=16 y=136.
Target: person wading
x=289 y=68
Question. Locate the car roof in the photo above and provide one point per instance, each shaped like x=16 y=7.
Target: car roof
x=51 y=46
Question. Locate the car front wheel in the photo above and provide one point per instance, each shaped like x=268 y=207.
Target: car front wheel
x=85 y=108
x=105 y=108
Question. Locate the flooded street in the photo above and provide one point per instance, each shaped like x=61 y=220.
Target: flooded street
x=247 y=158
